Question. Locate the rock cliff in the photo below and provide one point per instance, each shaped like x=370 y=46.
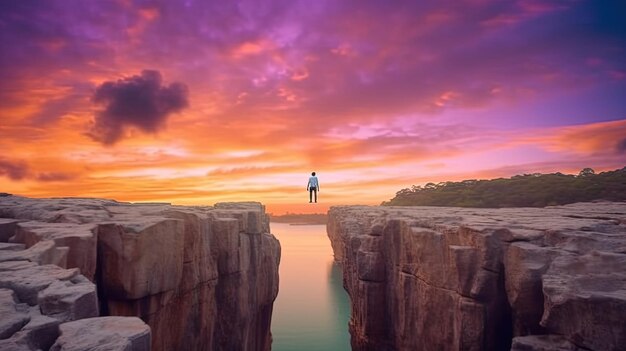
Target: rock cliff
x=433 y=278
x=201 y=278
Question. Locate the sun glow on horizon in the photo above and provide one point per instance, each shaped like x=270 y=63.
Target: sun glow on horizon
x=214 y=102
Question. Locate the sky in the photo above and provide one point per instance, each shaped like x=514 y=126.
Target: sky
x=198 y=102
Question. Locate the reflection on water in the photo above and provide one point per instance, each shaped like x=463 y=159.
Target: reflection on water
x=311 y=311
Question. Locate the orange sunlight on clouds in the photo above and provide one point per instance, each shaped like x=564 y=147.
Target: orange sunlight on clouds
x=196 y=103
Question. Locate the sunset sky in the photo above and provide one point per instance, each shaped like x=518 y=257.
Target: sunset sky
x=196 y=102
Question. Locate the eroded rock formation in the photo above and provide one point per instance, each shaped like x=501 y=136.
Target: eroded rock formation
x=428 y=278
x=202 y=278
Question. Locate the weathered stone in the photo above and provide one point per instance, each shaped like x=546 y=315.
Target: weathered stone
x=27 y=279
x=525 y=264
x=226 y=248
x=13 y=345
x=543 y=343
x=80 y=239
x=68 y=301
x=370 y=266
x=104 y=333
x=477 y=279
x=585 y=299
x=141 y=258
x=7 y=228
x=43 y=252
x=12 y=318
x=251 y=215
x=12 y=247
x=40 y=332
x=55 y=295
x=203 y=278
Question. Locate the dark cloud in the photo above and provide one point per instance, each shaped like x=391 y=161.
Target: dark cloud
x=14 y=170
x=139 y=101
x=19 y=170
x=54 y=176
x=621 y=146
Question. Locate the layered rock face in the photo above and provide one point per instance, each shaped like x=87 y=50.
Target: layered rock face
x=202 y=278
x=429 y=278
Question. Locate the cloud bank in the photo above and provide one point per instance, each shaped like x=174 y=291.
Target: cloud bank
x=14 y=170
x=19 y=170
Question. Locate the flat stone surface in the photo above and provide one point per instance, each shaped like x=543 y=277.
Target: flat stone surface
x=80 y=240
x=104 y=333
x=27 y=279
x=12 y=247
x=42 y=252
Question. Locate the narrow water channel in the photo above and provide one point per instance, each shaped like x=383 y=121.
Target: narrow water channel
x=312 y=309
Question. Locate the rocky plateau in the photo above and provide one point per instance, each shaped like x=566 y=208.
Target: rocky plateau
x=95 y=274
x=433 y=278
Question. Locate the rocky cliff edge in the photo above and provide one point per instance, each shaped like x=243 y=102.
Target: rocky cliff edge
x=75 y=274
x=432 y=278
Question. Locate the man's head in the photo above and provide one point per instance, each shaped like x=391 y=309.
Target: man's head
x=313 y=173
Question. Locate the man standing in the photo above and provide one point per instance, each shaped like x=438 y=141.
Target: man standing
x=313 y=187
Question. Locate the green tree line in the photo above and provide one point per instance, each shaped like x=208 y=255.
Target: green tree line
x=527 y=190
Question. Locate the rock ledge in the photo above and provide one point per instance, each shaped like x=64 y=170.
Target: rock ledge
x=75 y=273
x=432 y=278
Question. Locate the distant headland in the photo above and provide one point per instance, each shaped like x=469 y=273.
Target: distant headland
x=527 y=190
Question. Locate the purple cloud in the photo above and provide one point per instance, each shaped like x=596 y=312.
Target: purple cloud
x=357 y=61
x=140 y=101
x=54 y=176
x=19 y=170
x=621 y=146
x=14 y=170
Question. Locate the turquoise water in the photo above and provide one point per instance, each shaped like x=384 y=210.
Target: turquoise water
x=312 y=310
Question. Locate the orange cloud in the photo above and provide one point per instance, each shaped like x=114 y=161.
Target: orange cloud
x=443 y=91
x=249 y=48
x=587 y=139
